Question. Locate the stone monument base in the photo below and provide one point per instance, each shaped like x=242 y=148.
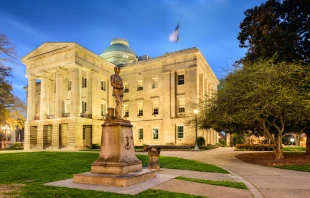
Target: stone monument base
x=114 y=179
x=116 y=168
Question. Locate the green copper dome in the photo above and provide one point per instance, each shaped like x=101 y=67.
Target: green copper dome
x=119 y=52
x=119 y=47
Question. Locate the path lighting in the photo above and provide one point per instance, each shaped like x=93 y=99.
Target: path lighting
x=196 y=119
x=6 y=129
x=292 y=140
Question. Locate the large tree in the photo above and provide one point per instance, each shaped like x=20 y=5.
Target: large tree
x=264 y=97
x=277 y=28
x=12 y=109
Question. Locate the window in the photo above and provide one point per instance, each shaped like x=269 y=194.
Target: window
x=155 y=107
x=69 y=85
x=126 y=87
x=180 y=132
x=103 y=85
x=140 y=134
x=154 y=83
x=84 y=107
x=140 y=109
x=126 y=110
x=155 y=133
x=84 y=82
x=181 y=79
x=103 y=109
x=84 y=134
x=140 y=85
x=181 y=105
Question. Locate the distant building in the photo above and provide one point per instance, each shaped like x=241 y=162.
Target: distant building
x=69 y=91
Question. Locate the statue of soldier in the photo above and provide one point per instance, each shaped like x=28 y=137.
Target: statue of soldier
x=117 y=84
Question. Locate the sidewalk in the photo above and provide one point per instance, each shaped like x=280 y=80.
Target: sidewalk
x=262 y=181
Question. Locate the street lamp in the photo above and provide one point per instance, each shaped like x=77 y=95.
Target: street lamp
x=196 y=118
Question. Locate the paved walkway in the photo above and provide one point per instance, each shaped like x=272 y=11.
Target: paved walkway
x=262 y=181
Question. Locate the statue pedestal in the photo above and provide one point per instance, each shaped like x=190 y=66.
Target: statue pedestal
x=117 y=164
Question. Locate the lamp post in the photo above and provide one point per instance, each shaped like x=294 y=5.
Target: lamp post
x=196 y=119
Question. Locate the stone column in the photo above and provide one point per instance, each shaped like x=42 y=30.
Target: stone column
x=75 y=93
x=44 y=97
x=173 y=94
x=31 y=98
x=58 y=95
x=75 y=136
x=55 y=136
x=40 y=136
x=27 y=136
x=166 y=94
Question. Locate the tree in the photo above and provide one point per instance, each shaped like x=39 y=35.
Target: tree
x=261 y=97
x=12 y=108
x=277 y=28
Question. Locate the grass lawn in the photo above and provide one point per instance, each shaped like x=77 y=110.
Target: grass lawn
x=294 y=148
x=216 y=183
x=305 y=167
x=36 y=168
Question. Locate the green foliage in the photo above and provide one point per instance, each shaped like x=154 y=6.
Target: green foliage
x=230 y=184
x=17 y=145
x=208 y=147
x=305 y=167
x=255 y=147
x=201 y=141
x=95 y=146
x=294 y=148
x=223 y=142
x=182 y=164
x=277 y=28
x=263 y=97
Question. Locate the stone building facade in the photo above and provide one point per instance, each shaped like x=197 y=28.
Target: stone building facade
x=69 y=91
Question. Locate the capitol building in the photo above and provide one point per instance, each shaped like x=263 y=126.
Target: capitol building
x=69 y=91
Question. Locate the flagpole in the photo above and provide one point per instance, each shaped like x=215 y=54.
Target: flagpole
x=179 y=38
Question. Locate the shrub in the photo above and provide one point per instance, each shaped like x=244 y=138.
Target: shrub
x=218 y=144
x=256 y=147
x=16 y=145
x=95 y=146
x=223 y=142
x=201 y=141
x=208 y=147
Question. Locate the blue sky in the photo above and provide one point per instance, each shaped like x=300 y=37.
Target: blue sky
x=210 y=25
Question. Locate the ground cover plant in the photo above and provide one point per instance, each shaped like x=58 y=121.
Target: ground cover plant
x=293 y=160
x=31 y=170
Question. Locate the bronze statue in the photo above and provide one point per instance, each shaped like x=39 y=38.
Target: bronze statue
x=117 y=84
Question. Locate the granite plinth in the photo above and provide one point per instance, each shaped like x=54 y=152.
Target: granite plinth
x=114 y=179
x=116 y=168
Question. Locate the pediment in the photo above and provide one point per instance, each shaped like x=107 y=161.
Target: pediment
x=48 y=49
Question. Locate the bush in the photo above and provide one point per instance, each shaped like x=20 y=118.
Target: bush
x=208 y=147
x=218 y=145
x=95 y=146
x=223 y=142
x=17 y=145
x=256 y=147
x=201 y=141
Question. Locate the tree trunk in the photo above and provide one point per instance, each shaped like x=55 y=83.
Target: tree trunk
x=278 y=150
x=308 y=143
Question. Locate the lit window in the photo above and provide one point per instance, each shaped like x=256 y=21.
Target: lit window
x=126 y=87
x=103 y=85
x=155 y=133
x=69 y=85
x=126 y=110
x=180 y=132
x=181 y=79
x=154 y=83
x=140 y=109
x=181 y=105
x=140 y=85
x=140 y=134
x=155 y=107
x=84 y=82
x=84 y=107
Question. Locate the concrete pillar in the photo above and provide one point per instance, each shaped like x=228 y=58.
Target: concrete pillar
x=58 y=94
x=44 y=97
x=55 y=136
x=40 y=136
x=31 y=98
x=75 y=93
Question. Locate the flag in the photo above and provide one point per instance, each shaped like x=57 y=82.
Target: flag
x=174 y=36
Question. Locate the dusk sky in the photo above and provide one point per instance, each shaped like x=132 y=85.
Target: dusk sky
x=210 y=25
